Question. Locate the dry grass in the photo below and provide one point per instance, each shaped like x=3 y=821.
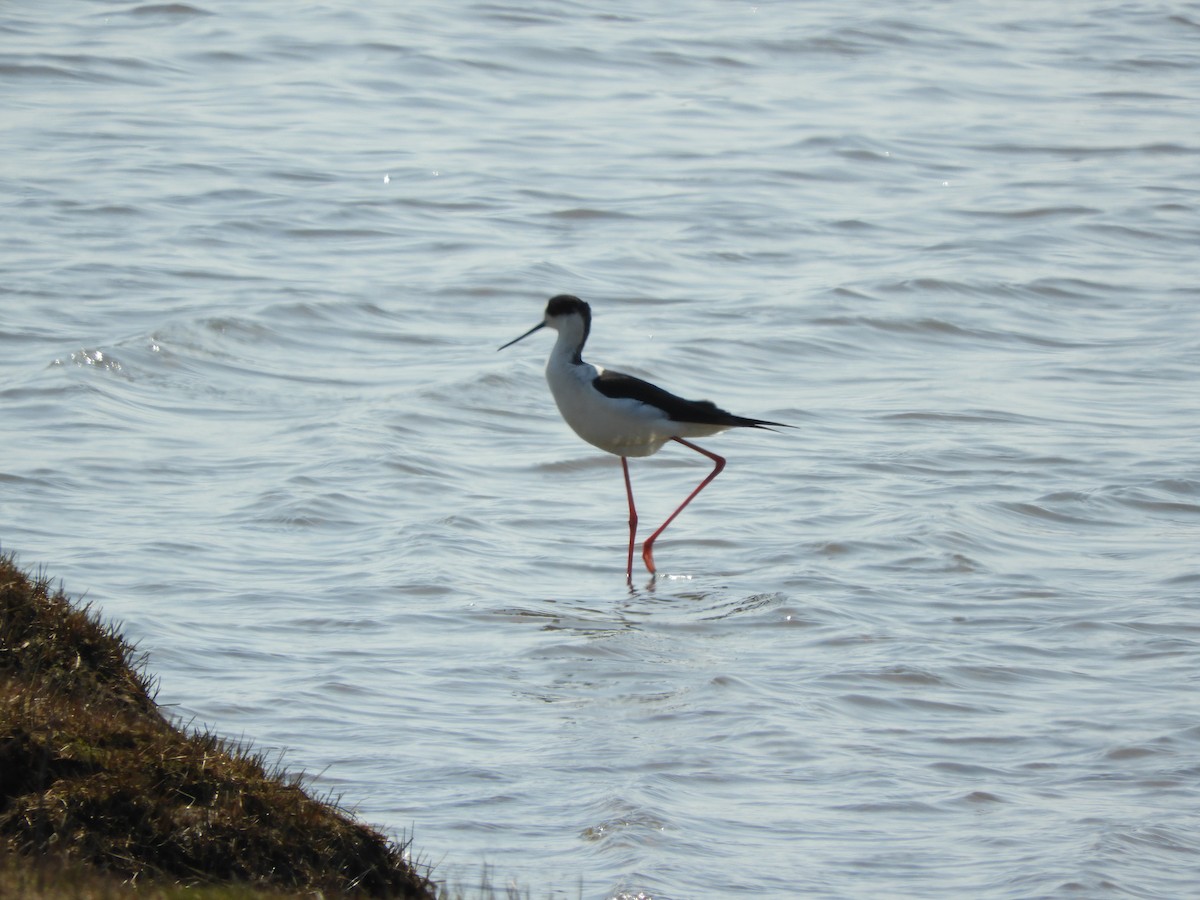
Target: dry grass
x=55 y=878
x=92 y=772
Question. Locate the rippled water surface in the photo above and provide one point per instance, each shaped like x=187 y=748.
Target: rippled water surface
x=938 y=641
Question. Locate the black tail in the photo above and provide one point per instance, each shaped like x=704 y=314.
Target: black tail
x=764 y=424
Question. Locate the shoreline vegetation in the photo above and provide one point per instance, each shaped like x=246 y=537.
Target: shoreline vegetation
x=103 y=796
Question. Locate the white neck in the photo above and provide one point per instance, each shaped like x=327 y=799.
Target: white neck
x=568 y=347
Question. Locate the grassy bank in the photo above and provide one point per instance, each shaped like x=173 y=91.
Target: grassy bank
x=99 y=791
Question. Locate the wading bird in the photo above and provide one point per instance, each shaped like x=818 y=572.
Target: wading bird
x=624 y=415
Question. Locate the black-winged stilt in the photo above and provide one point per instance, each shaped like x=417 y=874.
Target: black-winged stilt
x=624 y=415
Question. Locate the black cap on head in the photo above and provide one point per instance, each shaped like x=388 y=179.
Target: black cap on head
x=565 y=305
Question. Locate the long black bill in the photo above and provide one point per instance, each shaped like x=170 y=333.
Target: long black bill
x=522 y=337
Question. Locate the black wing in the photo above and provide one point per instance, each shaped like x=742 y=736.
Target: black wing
x=620 y=386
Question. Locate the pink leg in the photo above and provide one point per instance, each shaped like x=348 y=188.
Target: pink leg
x=719 y=464
x=633 y=520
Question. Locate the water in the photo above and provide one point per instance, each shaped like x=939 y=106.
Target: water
x=939 y=641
